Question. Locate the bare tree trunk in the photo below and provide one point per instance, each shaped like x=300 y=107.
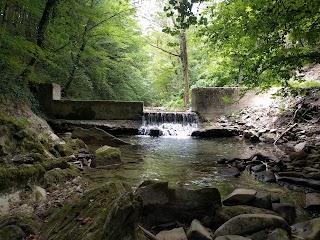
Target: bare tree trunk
x=5 y=13
x=78 y=57
x=185 y=67
x=76 y=63
x=42 y=26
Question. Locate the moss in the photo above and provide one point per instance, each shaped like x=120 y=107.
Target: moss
x=65 y=149
x=57 y=175
x=21 y=135
x=19 y=124
x=55 y=163
x=108 y=212
x=13 y=176
x=37 y=157
x=106 y=152
x=32 y=145
x=26 y=225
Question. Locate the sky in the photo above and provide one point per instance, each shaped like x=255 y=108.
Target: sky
x=145 y=10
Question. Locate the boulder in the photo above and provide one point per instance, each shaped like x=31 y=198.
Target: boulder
x=262 y=200
x=300 y=146
x=266 y=176
x=240 y=196
x=252 y=135
x=155 y=132
x=163 y=204
x=278 y=234
x=111 y=211
x=308 y=230
x=313 y=184
x=285 y=210
x=225 y=213
x=215 y=133
x=229 y=172
x=198 y=232
x=12 y=232
x=105 y=156
x=174 y=234
x=313 y=201
x=232 y=237
x=268 y=137
x=258 y=168
x=97 y=137
x=298 y=155
x=247 y=224
x=18 y=227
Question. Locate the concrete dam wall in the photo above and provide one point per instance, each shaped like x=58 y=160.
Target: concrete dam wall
x=212 y=102
x=49 y=96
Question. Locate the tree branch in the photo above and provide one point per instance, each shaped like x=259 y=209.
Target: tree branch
x=173 y=54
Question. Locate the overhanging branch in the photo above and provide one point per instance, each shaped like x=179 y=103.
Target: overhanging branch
x=173 y=54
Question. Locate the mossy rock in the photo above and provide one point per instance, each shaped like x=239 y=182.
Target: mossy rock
x=110 y=212
x=17 y=227
x=225 y=213
x=11 y=175
x=97 y=137
x=71 y=146
x=57 y=175
x=107 y=155
x=16 y=175
x=163 y=204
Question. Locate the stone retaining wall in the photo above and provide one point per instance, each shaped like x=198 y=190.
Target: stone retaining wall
x=212 y=102
x=49 y=96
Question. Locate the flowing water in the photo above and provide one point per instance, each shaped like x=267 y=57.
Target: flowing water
x=180 y=124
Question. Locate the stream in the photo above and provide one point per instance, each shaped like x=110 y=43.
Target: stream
x=191 y=162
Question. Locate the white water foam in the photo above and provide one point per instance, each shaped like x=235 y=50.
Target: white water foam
x=169 y=124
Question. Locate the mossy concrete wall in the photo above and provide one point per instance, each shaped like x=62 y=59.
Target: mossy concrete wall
x=213 y=102
x=49 y=96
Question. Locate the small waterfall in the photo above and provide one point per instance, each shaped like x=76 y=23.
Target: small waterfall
x=180 y=124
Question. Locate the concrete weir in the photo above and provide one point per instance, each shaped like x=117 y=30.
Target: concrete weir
x=212 y=102
x=128 y=117
x=49 y=96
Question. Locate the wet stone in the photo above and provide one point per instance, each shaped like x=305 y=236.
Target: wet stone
x=197 y=231
x=262 y=200
x=307 y=230
x=285 y=210
x=266 y=176
x=240 y=196
x=313 y=201
x=229 y=172
x=174 y=234
x=258 y=168
x=245 y=224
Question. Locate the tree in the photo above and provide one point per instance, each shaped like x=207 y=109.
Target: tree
x=182 y=15
x=267 y=40
x=94 y=48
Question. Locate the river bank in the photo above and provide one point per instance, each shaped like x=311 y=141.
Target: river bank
x=45 y=176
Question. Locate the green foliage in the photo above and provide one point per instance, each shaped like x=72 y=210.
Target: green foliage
x=182 y=14
x=96 y=47
x=267 y=40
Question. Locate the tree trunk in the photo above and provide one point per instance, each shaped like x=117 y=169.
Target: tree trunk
x=185 y=67
x=42 y=26
x=78 y=57
x=76 y=63
x=5 y=13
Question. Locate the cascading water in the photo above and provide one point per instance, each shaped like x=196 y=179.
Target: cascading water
x=180 y=124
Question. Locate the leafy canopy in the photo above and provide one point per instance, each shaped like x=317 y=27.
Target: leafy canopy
x=268 y=40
